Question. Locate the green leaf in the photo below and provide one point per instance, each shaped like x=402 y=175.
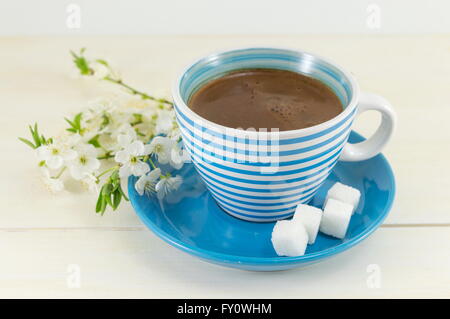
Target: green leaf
x=117 y=197
x=107 y=189
x=103 y=205
x=27 y=142
x=81 y=63
x=102 y=62
x=36 y=139
x=105 y=121
x=77 y=120
x=123 y=194
x=75 y=124
x=98 y=206
x=115 y=185
x=44 y=140
x=70 y=122
x=115 y=176
x=108 y=199
x=94 y=141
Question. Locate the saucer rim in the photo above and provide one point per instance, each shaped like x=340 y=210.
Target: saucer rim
x=223 y=258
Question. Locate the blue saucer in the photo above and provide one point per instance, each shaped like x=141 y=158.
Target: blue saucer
x=190 y=220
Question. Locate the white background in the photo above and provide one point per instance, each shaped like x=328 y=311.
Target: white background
x=45 y=237
x=102 y=17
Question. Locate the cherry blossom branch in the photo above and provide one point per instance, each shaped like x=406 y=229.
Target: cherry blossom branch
x=134 y=136
x=102 y=70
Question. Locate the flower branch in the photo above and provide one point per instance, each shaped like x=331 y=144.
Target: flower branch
x=102 y=70
x=112 y=139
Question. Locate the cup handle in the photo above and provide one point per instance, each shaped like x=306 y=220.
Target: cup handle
x=373 y=145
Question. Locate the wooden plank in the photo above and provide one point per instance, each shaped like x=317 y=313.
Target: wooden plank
x=411 y=71
x=410 y=262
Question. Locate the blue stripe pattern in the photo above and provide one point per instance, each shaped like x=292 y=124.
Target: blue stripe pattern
x=231 y=163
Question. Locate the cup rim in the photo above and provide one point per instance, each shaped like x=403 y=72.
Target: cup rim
x=179 y=102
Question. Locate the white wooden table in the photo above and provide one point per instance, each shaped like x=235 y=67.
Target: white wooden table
x=45 y=239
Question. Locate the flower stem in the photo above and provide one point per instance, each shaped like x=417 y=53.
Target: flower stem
x=106 y=156
x=108 y=170
x=151 y=162
x=133 y=91
x=60 y=173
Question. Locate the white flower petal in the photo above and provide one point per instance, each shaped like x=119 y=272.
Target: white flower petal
x=87 y=150
x=90 y=182
x=177 y=157
x=77 y=172
x=136 y=148
x=139 y=168
x=54 y=162
x=92 y=164
x=166 y=185
x=122 y=157
x=160 y=188
x=69 y=155
x=54 y=185
x=140 y=185
x=124 y=139
x=42 y=152
x=148 y=149
x=163 y=158
x=154 y=175
x=125 y=171
x=164 y=122
x=175 y=182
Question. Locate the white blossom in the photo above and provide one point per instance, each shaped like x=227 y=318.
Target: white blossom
x=167 y=184
x=125 y=139
x=135 y=104
x=100 y=70
x=128 y=157
x=90 y=182
x=55 y=185
x=161 y=147
x=175 y=133
x=55 y=155
x=146 y=183
x=123 y=129
x=68 y=141
x=178 y=157
x=164 y=122
x=85 y=162
x=120 y=125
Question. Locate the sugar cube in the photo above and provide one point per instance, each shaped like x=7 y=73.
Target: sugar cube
x=289 y=238
x=344 y=193
x=336 y=218
x=310 y=217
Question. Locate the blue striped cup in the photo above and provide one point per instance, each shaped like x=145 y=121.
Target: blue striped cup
x=262 y=175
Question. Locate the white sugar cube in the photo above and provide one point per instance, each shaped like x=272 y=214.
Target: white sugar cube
x=310 y=217
x=344 y=193
x=336 y=218
x=289 y=238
